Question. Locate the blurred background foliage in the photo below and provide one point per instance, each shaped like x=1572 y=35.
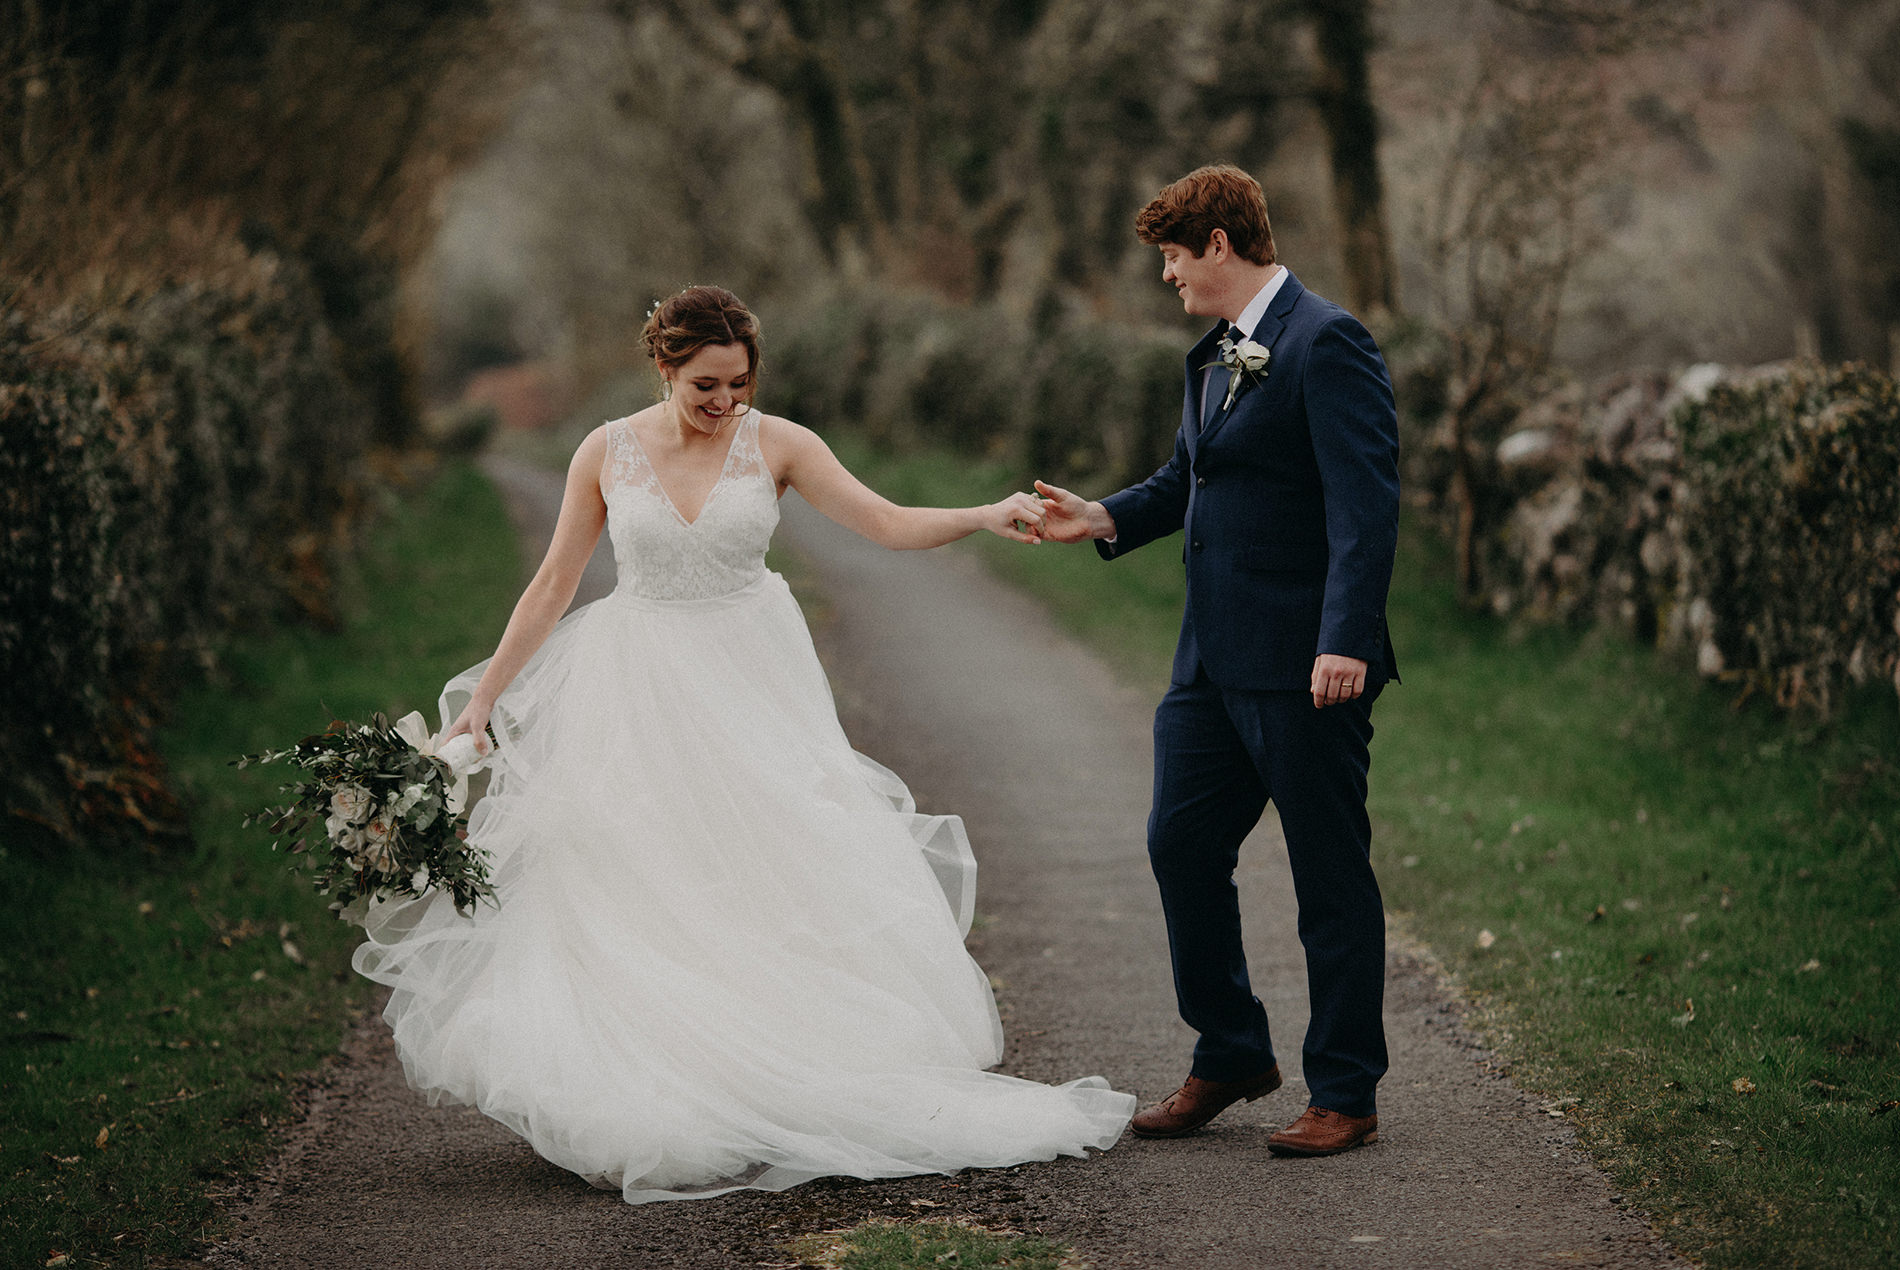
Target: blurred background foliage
x=1616 y=250
x=209 y=216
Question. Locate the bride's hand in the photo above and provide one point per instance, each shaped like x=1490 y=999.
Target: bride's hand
x=1018 y=518
x=474 y=721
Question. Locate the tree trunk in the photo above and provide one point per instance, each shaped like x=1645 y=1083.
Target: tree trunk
x=1352 y=135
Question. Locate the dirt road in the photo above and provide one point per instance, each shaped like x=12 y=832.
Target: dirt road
x=970 y=693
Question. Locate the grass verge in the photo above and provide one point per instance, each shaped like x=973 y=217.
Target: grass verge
x=158 y=1014
x=1676 y=918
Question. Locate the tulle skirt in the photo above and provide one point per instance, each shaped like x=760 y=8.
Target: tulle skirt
x=727 y=952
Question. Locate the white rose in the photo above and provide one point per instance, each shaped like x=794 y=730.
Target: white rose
x=1251 y=357
x=352 y=802
x=377 y=856
x=377 y=830
x=419 y=881
x=344 y=834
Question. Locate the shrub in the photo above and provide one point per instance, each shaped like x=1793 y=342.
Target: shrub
x=1790 y=528
x=1750 y=515
x=182 y=463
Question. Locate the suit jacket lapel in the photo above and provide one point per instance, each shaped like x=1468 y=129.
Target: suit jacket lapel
x=1267 y=333
x=1203 y=352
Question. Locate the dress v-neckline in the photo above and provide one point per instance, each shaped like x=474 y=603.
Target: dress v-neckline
x=719 y=481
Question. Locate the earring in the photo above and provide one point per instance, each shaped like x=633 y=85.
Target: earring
x=666 y=390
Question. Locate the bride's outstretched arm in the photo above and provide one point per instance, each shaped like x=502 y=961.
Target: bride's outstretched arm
x=800 y=458
x=583 y=512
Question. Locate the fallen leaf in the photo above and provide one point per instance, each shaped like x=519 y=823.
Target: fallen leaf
x=1597 y=916
x=1742 y=1085
x=1883 y=1108
x=1808 y=966
x=1687 y=1016
x=146 y=908
x=1486 y=939
x=100 y=1141
x=293 y=952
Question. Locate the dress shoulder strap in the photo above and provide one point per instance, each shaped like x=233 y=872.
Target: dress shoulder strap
x=625 y=460
x=747 y=456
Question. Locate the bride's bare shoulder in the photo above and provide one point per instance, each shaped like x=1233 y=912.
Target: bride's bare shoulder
x=593 y=446
x=781 y=441
x=780 y=435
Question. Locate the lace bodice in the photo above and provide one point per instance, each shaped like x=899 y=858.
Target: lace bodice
x=662 y=556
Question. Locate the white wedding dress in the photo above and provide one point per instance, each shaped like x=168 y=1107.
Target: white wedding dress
x=727 y=953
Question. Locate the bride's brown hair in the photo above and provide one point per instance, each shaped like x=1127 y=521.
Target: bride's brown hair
x=699 y=317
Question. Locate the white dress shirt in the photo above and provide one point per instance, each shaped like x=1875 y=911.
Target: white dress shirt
x=1242 y=328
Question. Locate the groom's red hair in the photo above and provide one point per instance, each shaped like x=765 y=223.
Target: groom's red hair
x=1222 y=196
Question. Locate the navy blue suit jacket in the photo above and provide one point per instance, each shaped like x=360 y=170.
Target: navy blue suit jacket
x=1290 y=502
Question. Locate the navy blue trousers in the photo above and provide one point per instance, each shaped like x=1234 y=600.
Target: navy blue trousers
x=1220 y=756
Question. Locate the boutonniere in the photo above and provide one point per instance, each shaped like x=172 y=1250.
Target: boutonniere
x=1245 y=358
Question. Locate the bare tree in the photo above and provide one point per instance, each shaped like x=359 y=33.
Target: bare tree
x=1506 y=234
x=1508 y=225
x=141 y=143
x=1343 y=94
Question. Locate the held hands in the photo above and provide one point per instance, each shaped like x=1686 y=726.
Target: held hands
x=1018 y=518
x=1337 y=679
x=1069 y=518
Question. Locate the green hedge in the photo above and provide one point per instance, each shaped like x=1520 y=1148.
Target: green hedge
x=1747 y=516
x=181 y=464
x=1789 y=513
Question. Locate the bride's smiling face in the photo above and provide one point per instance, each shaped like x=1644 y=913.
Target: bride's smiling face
x=709 y=387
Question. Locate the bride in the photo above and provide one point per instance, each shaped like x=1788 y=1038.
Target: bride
x=728 y=952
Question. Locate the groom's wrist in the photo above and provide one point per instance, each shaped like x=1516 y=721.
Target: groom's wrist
x=1101 y=524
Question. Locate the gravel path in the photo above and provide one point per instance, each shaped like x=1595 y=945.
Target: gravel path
x=955 y=682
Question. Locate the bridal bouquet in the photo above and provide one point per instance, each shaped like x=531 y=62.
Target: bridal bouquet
x=389 y=805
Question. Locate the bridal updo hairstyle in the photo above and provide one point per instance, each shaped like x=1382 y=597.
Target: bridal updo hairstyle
x=1187 y=212
x=697 y=318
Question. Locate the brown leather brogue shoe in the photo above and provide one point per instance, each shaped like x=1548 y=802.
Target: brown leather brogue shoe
x=1199 y=1101
x=1322 y=1132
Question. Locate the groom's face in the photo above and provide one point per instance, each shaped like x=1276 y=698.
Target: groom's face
x=1192 y=277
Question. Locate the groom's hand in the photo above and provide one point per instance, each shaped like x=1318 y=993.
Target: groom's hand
x=1069 y=518
x=1337 y=679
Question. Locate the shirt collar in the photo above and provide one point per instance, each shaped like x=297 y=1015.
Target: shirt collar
x=1257 y=307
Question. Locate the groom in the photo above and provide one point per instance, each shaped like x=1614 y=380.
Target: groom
x=1285 y=479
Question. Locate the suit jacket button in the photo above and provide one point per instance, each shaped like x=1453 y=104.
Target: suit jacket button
x=1197 y=544
x=1200 y=481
